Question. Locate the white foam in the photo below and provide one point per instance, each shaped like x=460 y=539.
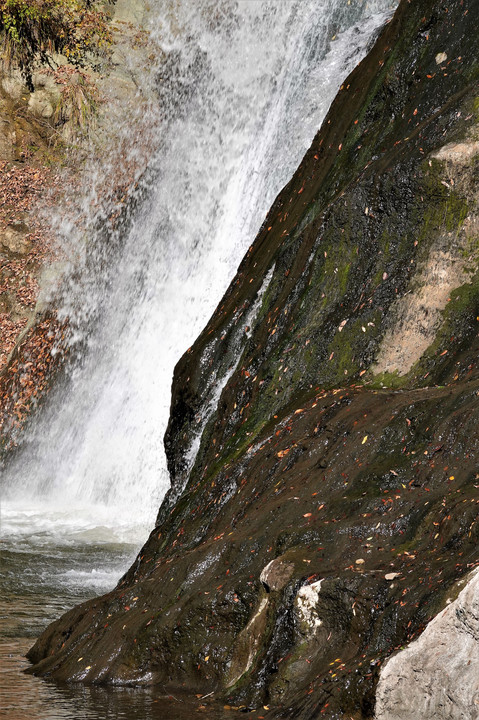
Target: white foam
x=43 y=523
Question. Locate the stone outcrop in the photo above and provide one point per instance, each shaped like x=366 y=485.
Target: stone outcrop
x=332 y=505
x=437 y=676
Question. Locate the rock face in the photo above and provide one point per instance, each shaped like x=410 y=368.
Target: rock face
x=438 y=674
x=333 y=501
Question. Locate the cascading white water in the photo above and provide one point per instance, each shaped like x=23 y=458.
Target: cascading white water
x=244 y=90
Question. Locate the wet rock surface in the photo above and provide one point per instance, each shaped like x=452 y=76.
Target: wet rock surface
x=330 y=510
x=403 y=506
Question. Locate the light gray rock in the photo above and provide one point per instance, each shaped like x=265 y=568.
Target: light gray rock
x=437 y=676
x=306 y=608
x=13 y=85
x=15 y=240
x=276 y=574
x=130 y=11
x=40 y=104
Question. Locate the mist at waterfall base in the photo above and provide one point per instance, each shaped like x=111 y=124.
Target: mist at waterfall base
x=239 y=104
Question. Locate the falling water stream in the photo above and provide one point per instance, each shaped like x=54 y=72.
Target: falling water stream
x=238 y=94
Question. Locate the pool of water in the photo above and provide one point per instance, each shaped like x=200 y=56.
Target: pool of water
x=46 y=569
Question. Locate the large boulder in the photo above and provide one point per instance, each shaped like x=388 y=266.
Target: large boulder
x=437 y=676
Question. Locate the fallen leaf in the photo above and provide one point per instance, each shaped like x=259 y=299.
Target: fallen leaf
x=392 y=576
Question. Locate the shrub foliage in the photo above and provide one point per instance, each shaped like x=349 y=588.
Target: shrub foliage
x=34 y=30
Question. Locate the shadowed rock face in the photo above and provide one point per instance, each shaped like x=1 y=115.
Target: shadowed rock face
x=330 y=509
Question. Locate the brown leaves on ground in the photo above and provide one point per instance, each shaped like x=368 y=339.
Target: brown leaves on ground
x=21 y=188
x=28 y=375
x=9 y=330
x=24 y=380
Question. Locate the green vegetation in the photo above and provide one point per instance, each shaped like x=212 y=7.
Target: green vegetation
x=78 y=99
x=475 y=107
x=34 y=30
x=387 y=380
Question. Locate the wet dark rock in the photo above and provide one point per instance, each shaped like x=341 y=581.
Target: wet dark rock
x=250 y=586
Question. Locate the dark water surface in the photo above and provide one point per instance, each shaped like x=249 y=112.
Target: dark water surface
x=39 y=582
x=24 y=696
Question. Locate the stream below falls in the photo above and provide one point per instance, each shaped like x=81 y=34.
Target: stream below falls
x=49 y=564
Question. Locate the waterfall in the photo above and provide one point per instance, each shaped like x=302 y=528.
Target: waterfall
x=240 y=91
